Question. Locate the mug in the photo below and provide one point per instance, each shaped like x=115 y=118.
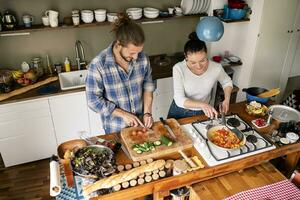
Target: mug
x=45 y=20
x=27 y=20
x=76 y=19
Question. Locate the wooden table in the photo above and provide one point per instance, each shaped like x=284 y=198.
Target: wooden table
x=161 y=188
x=235 y=182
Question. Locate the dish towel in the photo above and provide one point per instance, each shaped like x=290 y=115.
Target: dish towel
x=283 y=190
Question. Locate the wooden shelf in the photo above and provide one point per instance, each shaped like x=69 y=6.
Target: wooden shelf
x=40 y=27
x=234 y=21
x=233 y=64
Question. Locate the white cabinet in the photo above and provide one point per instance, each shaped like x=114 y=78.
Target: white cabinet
x=276 y=33
x=26 y=132
x=69 y=115
x=96 y=127
x=162 y=98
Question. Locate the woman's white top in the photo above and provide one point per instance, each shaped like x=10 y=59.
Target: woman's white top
x=188 y=85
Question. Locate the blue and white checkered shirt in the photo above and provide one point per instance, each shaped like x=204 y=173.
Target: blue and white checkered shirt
x=108 y=87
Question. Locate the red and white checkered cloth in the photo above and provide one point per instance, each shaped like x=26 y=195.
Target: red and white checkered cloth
x=283 y=190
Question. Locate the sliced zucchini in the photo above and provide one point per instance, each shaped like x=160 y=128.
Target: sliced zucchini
x=157 y=143
x=166 y=141
x=139 y=151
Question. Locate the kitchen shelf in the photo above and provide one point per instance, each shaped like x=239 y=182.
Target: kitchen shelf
x=234 y=21
x=40 y=27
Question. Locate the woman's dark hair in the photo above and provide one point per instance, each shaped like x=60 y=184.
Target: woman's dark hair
x=127 y=31
x=194 y=44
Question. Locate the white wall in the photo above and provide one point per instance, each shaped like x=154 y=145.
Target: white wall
x=240 y=39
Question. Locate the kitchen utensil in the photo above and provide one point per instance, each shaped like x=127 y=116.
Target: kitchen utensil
x=45 y=20
x=283 y=113
x=53 y=17
x=101 y=161
x=237 y=14
x=9 y=20
x=210 y=134
x=170 y=131
x=27 y=20
x=187 y=159
x=270 y=93
x=253 y=92
x=183 y=141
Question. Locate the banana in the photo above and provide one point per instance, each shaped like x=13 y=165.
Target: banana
x=17 y=74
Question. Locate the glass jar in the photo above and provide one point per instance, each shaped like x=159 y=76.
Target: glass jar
x=37 y=65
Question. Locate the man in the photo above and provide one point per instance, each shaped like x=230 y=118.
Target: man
x=119 y=85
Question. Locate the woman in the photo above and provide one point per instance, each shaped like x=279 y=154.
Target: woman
x=194 y=79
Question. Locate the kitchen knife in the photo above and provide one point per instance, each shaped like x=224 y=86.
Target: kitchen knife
x=170 y=131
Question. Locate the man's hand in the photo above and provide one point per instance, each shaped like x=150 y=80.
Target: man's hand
x=209 y=111
x=148 y=120
x=129 y=118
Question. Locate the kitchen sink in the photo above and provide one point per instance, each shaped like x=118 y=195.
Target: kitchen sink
x=72 y=80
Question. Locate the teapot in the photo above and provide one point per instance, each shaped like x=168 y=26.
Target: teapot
x=9 y=20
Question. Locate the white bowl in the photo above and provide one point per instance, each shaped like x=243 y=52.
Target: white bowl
x=86 y=12
x=151 y=15
x=100 y=18
x=87 y=19
x=112 y=17
x=135 y=16
x=100 y=11
x=150 y=10
x=134 y=10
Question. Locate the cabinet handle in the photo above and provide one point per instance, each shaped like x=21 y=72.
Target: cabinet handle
x=292 y=31
x=288 y=31
x=298 y=30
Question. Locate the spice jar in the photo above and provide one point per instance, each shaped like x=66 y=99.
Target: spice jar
x=179 y=167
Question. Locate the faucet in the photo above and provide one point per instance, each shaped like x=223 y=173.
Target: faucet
x=80 y=57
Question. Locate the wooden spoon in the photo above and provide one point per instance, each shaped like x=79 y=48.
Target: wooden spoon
x=269 y=93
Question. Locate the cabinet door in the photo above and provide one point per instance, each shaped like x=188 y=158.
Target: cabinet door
x=162 y=98
x=69 y=115
x=96 y=127
x=278 y=18
x=26 y=132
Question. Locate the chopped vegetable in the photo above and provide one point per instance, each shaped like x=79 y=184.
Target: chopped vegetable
x=166 y=141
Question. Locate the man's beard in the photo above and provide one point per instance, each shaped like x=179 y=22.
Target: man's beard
x=127 y=59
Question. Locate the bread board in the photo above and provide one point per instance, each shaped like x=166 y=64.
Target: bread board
x=183 y=141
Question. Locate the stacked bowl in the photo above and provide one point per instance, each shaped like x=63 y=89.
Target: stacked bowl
x=100 y=15
x=87 y=16
x=135 y=13
x=151 y=12
x=112 y=17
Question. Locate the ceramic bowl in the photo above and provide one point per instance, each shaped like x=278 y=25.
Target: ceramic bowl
x=112 y=17
x=100 y=18
x=100 y=11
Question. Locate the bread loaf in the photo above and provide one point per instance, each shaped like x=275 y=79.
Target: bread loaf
x=122 y=176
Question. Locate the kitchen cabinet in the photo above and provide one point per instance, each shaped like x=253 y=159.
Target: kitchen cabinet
x=162 y=98
x=275 y=38
x=26 y=132
x=95 y=122
x=69 y=115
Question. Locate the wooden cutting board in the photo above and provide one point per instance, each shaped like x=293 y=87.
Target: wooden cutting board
x=183 y=140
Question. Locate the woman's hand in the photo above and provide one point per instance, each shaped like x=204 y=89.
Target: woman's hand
x=209 y=111
x=148 y=120
x=224 y=108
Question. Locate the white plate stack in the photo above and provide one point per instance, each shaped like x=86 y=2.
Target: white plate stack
x=190 y=7
x=87 y=16
x=100 y=15
x=135 y=13
x=151 y=12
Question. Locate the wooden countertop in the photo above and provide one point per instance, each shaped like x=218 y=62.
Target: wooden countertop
x=162 y=187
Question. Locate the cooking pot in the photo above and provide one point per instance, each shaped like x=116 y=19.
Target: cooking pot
x=252 y=92
x=211 y=130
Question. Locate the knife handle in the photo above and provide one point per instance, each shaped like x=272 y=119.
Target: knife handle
x=162 y=120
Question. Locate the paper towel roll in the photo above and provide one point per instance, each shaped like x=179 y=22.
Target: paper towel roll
x=55 y=187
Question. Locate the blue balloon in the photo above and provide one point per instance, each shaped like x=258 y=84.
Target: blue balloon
x=210 y=29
